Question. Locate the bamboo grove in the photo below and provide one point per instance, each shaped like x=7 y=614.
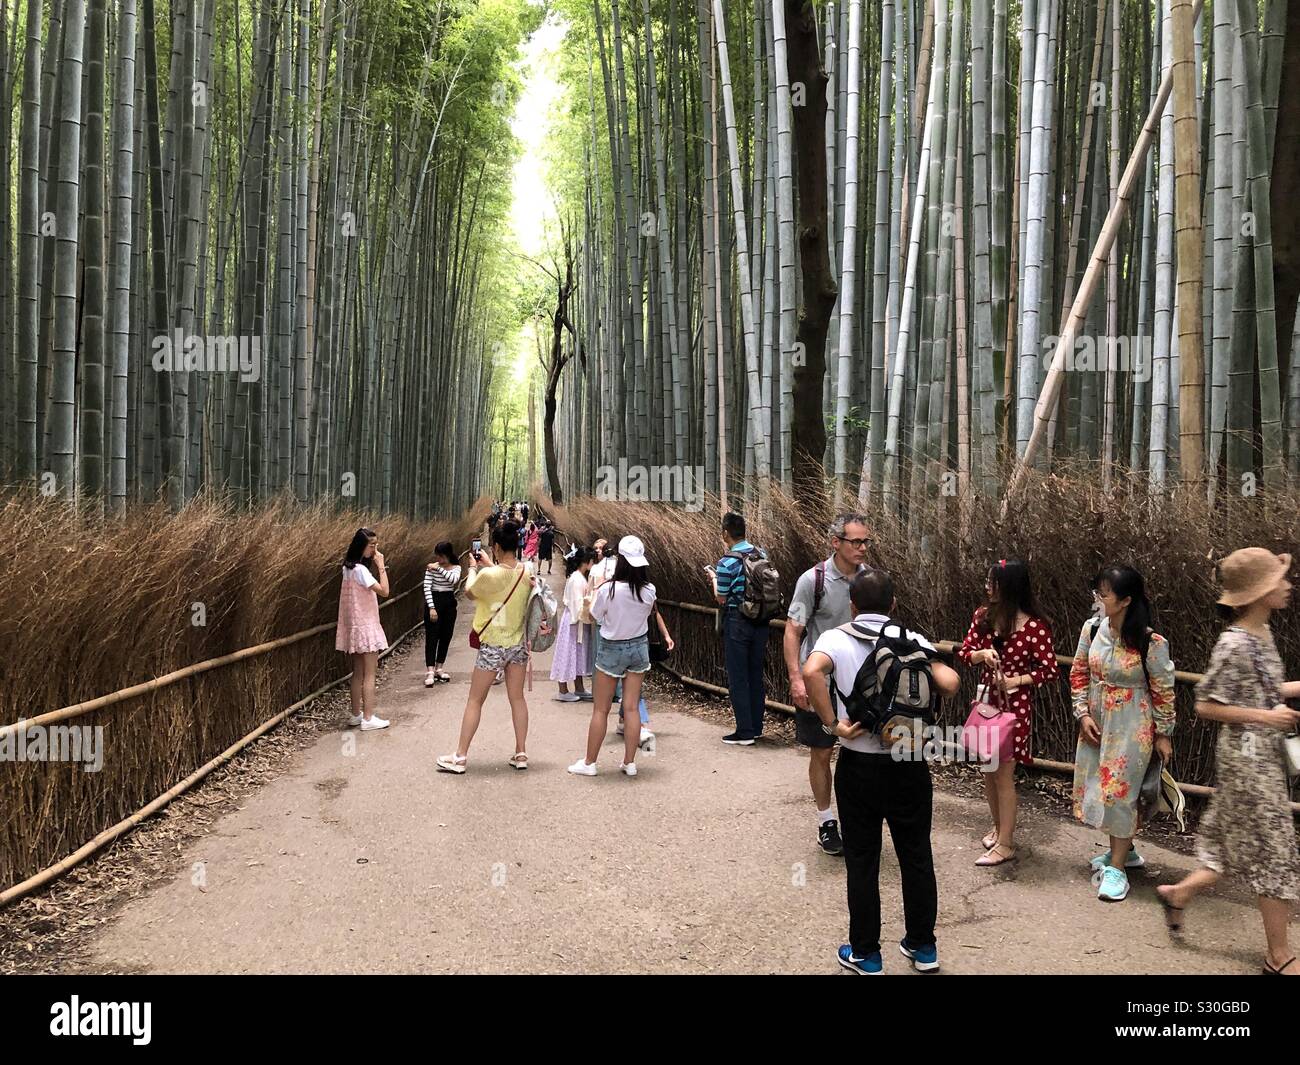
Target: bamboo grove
x=911 y=247
x=253 y=247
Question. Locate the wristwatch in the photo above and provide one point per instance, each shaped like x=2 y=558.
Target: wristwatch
x=830 y=729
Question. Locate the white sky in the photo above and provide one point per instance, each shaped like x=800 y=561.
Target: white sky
x=532 y=121
x=532 y=207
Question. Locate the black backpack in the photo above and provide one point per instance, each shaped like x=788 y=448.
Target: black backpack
x=763 y=599
x=894 y=685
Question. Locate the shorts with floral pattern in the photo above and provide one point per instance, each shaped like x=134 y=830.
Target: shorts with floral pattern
x=496 y=659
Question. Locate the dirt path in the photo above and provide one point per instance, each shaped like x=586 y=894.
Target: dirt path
x=361 y=858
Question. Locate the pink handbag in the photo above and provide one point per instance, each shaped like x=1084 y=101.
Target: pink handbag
x=989 y=733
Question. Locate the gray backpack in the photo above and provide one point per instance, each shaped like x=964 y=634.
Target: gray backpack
x=763 y=599
x=539 y=617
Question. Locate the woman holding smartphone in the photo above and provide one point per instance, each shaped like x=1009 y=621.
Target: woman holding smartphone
x=500 y=593
x=360 y=635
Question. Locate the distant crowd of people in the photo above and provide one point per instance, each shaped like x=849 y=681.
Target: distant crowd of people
x=859 y=680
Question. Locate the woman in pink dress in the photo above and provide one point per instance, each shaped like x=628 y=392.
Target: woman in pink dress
x=360 y=634
x=531 y=541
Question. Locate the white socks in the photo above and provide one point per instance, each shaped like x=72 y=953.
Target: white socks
x=825 y=815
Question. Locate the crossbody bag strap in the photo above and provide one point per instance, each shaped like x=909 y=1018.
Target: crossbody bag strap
x=501 y=606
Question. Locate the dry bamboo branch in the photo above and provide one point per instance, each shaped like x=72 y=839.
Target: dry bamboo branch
x=1088 y=286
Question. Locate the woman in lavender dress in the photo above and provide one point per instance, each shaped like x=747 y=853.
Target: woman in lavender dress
x=571 y=661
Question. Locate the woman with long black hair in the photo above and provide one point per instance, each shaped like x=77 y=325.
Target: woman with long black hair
x=1122 y=687
x=622 y=608
x=360 y=635
x=440 y=580
x=1013 y=644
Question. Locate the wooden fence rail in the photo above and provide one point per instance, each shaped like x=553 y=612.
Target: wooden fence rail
x=945 y=647
x=126 y=695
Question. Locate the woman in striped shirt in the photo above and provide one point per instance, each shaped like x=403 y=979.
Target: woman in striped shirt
x=440 y=581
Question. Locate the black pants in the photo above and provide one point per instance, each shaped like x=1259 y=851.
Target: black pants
x=871 y=789
x=437 y=634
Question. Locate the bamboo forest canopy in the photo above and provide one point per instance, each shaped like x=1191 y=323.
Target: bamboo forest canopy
x=255 y=246
x=898 y=249
x=912 y=248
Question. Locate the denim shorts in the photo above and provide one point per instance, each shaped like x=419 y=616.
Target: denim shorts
x=617 y=658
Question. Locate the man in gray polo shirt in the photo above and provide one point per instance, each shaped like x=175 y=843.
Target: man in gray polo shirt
x=821 y=602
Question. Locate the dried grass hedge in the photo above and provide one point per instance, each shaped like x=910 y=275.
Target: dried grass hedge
x=1065 y=526
x=94 y=606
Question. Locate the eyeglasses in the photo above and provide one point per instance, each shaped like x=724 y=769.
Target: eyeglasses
x=860 y=541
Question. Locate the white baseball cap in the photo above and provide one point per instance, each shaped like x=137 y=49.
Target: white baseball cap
x=632 y=549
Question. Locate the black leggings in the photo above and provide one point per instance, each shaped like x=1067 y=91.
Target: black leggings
x=437 y=634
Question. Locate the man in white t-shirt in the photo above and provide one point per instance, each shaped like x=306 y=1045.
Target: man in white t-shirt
x=873 y=786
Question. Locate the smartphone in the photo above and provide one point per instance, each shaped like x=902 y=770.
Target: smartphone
x=477 y=546
x=710 y=571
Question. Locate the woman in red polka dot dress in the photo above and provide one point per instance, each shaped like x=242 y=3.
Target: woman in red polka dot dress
x=1013 y=644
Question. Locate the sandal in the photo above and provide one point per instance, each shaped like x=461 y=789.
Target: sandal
x=451 y=763
x=442 y=678
x=430 y=679
x=1270 y=971
x=1173 y=914
x=519 y=761
x=990 y=840
x=988 y=860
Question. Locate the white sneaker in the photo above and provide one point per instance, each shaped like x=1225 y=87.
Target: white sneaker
x=647 y=739
x=373 y=723
x=580 y=768
x=628 y=767
x=355 y=720
x=619 y=731
x=567 y=697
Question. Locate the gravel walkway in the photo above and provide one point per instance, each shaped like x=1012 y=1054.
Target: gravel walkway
x=359 y=857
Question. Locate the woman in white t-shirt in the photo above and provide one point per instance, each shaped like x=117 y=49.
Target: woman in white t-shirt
x=360 y=634
x=621 y=607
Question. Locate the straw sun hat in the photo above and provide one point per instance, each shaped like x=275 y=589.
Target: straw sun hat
x=1250 y=574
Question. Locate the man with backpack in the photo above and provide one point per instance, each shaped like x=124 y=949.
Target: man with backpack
x=748 y=587
x=820 y=602
x=860 y=677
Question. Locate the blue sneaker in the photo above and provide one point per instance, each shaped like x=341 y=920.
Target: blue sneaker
x=871 y=965
x=1114 y=885
x=1132 y=861
x=924 y=959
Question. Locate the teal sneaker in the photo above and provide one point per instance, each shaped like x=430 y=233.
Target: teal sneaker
x=1133 y=861
x=1114 y=885
x=871 y=965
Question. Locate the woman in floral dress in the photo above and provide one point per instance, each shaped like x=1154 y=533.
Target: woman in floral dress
x=1122 y=686
x=1014 y=645
x=1248 y=829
